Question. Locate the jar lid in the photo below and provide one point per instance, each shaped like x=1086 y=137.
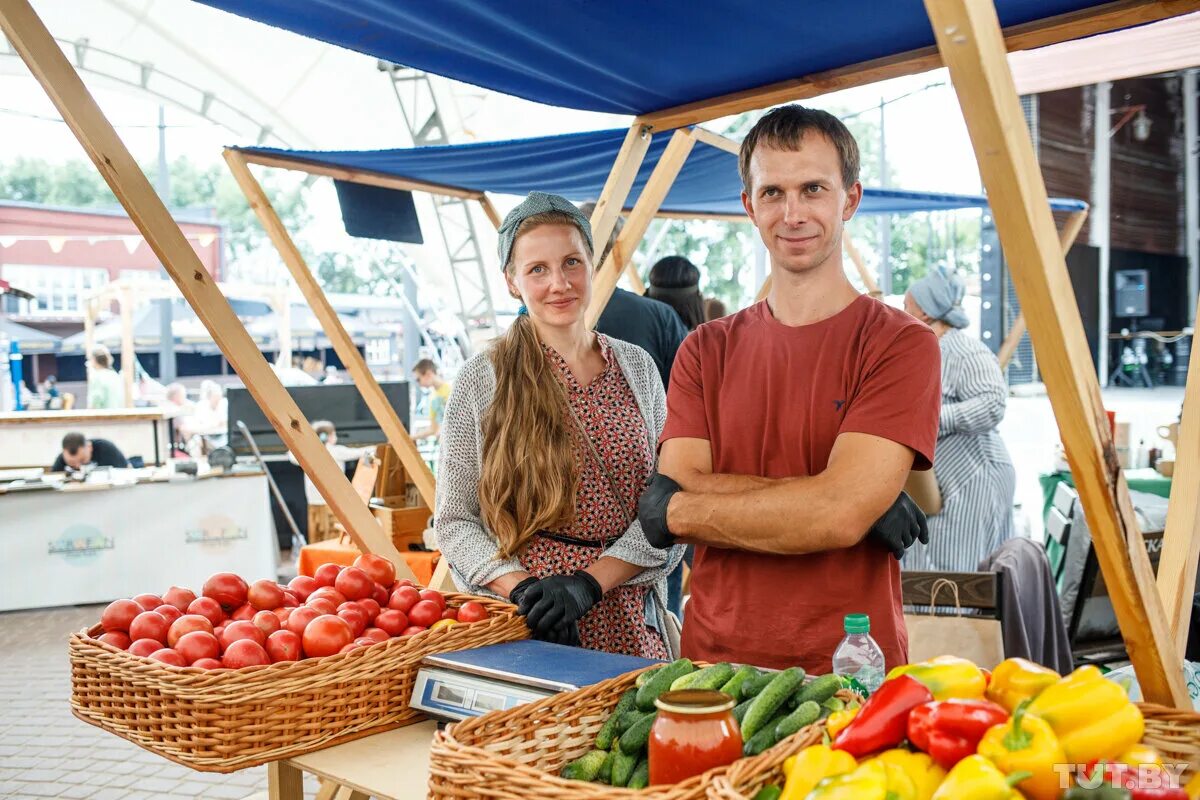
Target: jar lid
x=694 y=701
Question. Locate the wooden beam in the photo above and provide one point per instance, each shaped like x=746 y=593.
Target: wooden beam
x=636 y=284
x=358 y=175
x=89 y=328
x=616 y=189
x=1181 y=537
x=343 y=344
x=128 y=358
x=688 y=215
x=969 y=37
x=1074 y=25
x=490 y=211
x=283 y=312
x=863 y=273
x=665 y=172
x=124 y=176
x=717 y=140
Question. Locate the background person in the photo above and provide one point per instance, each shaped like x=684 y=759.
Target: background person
x=713 y=309
x=105 y=389
x=426 y=373
x=79 y=451
x=548 y=440
x=974 y=472
x=676 y=281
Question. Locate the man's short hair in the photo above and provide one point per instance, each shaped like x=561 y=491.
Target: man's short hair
x=72 y=442
x=101 y=357
x=784 y=128
x=425 y=366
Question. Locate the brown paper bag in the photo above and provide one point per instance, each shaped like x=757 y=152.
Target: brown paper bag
x=931 y=634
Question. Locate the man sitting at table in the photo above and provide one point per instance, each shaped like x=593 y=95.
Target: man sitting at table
x=78 y=451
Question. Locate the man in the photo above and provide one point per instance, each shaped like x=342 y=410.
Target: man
x=426 y=373
x=792 y=426
x=105 y=389
x=78 y=451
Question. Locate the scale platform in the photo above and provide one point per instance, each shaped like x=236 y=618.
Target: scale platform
x=467 y=683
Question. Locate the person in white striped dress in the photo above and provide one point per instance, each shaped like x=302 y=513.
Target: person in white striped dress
x=971 y=464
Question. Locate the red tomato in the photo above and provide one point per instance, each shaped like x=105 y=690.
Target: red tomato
x=303 y=586
x=424 y=613
x=242 y=629
x=349 y=647
x=179 y=597
x=403 y=582
x=264 y=595
x=375 y=634
x=144 y=647
x=208 y=663
x=380 y=594
x=326 y=574
x=290 y=600
x=170 y=613
x=300 y=618
x=206 y=607
x=354 y=609
x=326 y=635
x=118 y=639
x=404 y=598
x=119 y=614
x=243 y=613
x=245 y=653
x=149 y=625
x=267 y=622
x=148 y=601
x=451 y=614
x=227 y=589
x=354 y=583
x=186 y=624
x=391 y=621
x=283 y=646
x=169 y=656
x=197 y=645
x=365 y=641
x=322 y=604
x=327 y=593
x=434 y=596
x=380 y=569
x=282 y=615
x=356 y=619
x=370 y=606
x=472 y=611
x=413 y=630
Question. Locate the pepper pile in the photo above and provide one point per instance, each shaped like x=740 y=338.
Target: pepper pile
x=947 y=730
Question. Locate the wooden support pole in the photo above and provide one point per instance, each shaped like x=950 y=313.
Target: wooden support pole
x=124 y=176
x=283 y=313
x=343 y=344
x=1181 y=538
x=127 y=356
x=1066 y=238
x=863 y=273
x=359 y=176
x=616 y=189
x=89 y=328
x=490 y=211
x=972 y=46
x=635 y=281
x=651 y=198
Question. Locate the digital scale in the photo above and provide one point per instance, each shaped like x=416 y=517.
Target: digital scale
x=467 y=683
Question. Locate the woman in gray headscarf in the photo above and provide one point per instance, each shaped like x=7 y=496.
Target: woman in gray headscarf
x=971 y=464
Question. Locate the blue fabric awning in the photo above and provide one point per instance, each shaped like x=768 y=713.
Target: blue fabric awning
x=622 y=57
x=576 y=166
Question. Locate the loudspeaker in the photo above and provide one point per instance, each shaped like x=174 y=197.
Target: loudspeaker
x=1131 y=293
x=374 y=212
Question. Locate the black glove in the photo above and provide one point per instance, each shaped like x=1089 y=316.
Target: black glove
x=900 y=526
x=558 y=602
x=652 y=510
x=519 y=590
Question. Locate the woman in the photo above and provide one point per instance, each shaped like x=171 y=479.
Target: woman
x=547 y=443
x=676 y=281
x=971 y=464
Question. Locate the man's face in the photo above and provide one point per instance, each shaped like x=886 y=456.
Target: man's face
x=798 y=203
x=82 y=456
x=424 y=379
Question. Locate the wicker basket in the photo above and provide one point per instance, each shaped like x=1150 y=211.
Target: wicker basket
x=226 y=720
x=518 y=753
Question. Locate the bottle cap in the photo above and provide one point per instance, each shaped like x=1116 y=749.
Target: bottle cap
x=857 y=623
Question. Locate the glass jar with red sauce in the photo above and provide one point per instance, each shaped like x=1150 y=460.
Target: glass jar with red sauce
x=694 y=732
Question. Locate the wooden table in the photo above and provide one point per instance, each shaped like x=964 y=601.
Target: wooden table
x=386 y=766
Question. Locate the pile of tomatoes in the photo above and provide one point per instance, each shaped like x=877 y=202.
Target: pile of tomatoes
x=232 y=624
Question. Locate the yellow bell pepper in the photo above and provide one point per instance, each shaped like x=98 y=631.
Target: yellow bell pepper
x=838 y=720
x=811 y=766
x=868 y=782
x=1140 y=754
x=976 y=778
x=919 y=767
x=1015 y=679
x=1193 y=787
x=1091 y=715
x=1026 y=744
x=947 y=677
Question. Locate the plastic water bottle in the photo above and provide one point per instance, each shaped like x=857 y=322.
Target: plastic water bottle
x=858 y=656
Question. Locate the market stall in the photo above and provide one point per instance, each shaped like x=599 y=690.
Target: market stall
x=34 y=438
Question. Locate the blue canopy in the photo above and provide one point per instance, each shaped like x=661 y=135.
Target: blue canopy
x=576 y=166
x=622 y=57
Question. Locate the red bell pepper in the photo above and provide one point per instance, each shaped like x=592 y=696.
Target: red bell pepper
x=1144 y=782
x=883 y=720
x=950 y=730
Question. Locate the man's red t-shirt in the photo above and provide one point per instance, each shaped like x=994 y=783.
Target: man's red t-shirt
x=771 y=400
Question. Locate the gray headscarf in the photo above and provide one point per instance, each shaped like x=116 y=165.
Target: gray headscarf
x=940 y=295
x=539 y=203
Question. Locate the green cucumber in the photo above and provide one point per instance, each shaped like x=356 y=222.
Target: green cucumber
x=585 y=767
x=627 y=719
x=768 y=793
x=834 y=704
x=733 y=686
x=623 y=766
x=739 y=711
x=645 y=676
x=634 y=740
x=641 y=776
x=820 y=689
x=770 y=700
x=712 y=677
x=755 y=684
x=608 y=731
x=764 y=738
x=806 y=714
x=661 y=682
x=605 y=773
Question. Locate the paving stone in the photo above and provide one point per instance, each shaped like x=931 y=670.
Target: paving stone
x=38 y=790
x=77 y=792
